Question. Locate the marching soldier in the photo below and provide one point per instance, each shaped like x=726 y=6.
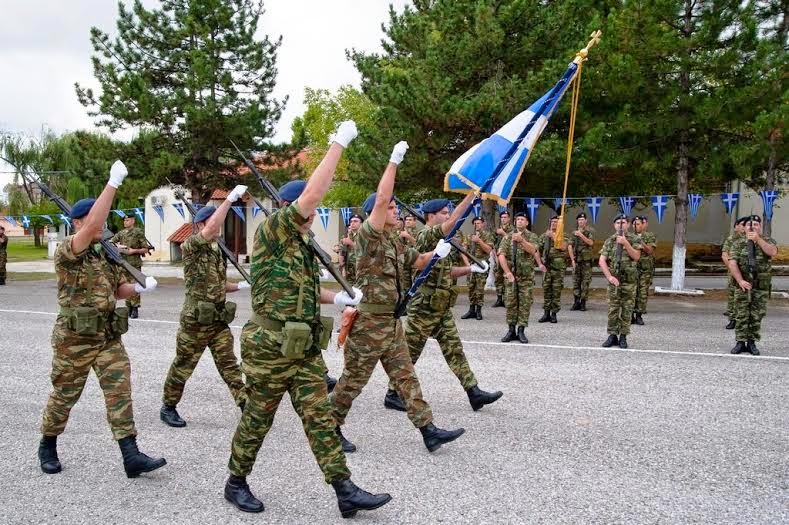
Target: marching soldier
x=205 y=315
x=498 y=273
x=408 y=235
x=377 y=335
x=646 y=267
x=3 y=254
x=87 y=334
x=480 y=244
x=518 y=254
x=348 y=255
x=281 y=344
x=583 y=240
x=133 y=246
x=750 y=264
x=553 y=280
x=622 y=250
x=731 y=286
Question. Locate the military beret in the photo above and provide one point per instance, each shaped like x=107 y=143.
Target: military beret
x=555 y=218
x=356 y=216
x=369 y=203
x=505 y=212
x=81 y=208
x=435 y=205
x=754 y=218
x=521 y=214
x=478 y=218
x=620 y=216
x=203 y=214
x=291 y=191
x=741 y=220
x=581 y=215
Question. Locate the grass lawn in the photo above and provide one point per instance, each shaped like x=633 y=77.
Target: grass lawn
x=21 y=249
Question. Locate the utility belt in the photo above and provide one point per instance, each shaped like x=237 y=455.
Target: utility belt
x=88 y=320
x=298 y=338
x=439 y=298
x=208 y=313
x=378 y=309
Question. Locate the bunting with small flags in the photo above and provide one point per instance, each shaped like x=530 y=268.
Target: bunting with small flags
x=730 y=201
x=140 y=215
x=119 y=213
x=659 y=204
x=768 y=198
x=346 y=215
x=531 y=205
x=239 y=210
x=694 y=203
x=626 y=204
x=159 y=211
x=594 y=203
x=179 y=207
x=323 y=213
x=255 y=210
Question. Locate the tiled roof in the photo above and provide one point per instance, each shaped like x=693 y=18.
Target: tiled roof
x=181 y=234
x=219 y=194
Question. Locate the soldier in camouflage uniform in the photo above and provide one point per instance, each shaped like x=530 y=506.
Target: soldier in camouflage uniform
x=281 y=343
x=3 y=254
x=731 y=287
x=646 y=267
x=583 y=240
x=480 y=244
x=556 y=264
x=753 y=287
x=621 y=275
x=205 y=315
x=133 y=245
x=498 y=273
x=430 y=312
x=518 y=255
x=377 y=335
x=348 y=254
x=409 y=233
x=87 y=334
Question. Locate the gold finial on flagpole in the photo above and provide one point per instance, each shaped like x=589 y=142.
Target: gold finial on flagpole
x=595 y=39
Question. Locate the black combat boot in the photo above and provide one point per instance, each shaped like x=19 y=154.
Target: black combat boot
x=330 y=382
x=739 y=347
x=553 y=318
x=752 y=347
x=499 y=302
x=611 y=341
x=393 y=401
x=479 y=398
x=351 y=499
x=522 y=335
x=582 y=306
x=479 y=313
x=48 y=455
x=510 y=335
x=133 y=313
x=237 y=492
x=545 y=317
x=434 y=437
x=347 y=446
x=471 y=314
x=732 y=324
x=638 y=319
x=576 y=303
x=170 y=416
x=622 y=341
x=134 y=461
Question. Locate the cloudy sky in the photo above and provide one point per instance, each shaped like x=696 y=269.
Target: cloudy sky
x=45 y=49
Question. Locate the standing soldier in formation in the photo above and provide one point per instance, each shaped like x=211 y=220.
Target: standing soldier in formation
x=622 y=250
x=556 y=264
x=480 y=244
x=133 y=246
x=205 y=315
x=347 y=254
x=281 y=344
x=87 y=334
x=498 y=272
x=377 y=335
x=411 y=230
x=518 y=254
x=750 y=264
x=646 y=267
x=3 y=254
x=731 y=287
x=583 y=240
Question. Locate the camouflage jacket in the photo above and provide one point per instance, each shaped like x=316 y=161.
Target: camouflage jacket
x=440 y=277
x=520 y=261
x=647 y=238
x=556 y=258
x=131 y=238
x=349 y=254
x=507 y=229
x=3 y=243
x=475 y=250
x=627 y=267
x=87 y=278
x=730 y=240
x=739 y=252
x=582 y=251
x=285 y=274
x=380 y=265
x=205 y=271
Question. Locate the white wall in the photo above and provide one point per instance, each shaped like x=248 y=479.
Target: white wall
x=156 y=230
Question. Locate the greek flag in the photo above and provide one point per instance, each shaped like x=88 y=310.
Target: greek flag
x=25 y=222
x=239 y=210
x=694 y=202
x=65 y=219
x=451 y=207
x=557 y=203
x=626 y=203
x=255 y=210
x=140 y=215
x=500 y=208
x=346 y=215
x=48 y=219
x=159 y=211
x=729 y=201
x=494 y=166
x=476 y=208
x=323 y=213
x=11 y=221
x=179 y=207
x=594 y=204
x=531 y=205
x=768 y=198
x=660 y=203
x=119 y=213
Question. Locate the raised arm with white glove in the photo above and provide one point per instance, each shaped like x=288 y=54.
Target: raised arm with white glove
x=118 y=172
x=342 y=298
x=150 y=285
x=345 y=133
x=237 y=193
x=398 y=152
x=442 y=249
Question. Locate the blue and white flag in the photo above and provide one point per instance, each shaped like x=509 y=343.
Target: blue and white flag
x=255 y=210
x=531 y=204
x=768 y=198
x=140 y=215
x=65 y=219
x=159 y=211
x=476 y=208
x=346 y=215
x=47 y=218
x=594 y=203
x=660 y=203
x=494 y=166
x=25 y=222
x=418 y=207
x=694 y=203
x=10 y=220
x=557 y=203
x=119 y=213
x=730 y=201
x=323 y=213
x=239 y=210
x=626 y=204
x=179 y=207
x=500 y=208
x=451 y=207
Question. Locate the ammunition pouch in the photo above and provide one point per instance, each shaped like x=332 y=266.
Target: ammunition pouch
x=83 y=320
x=208 y=313
x=296 y=339
x=441 y=300
x=119 y=321
x=326 y=328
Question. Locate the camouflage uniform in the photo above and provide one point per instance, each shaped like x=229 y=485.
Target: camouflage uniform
x=350 y=259
x=622 y=298
x=87 y=280
x=377 y=335
x=584 y=256
x=519 y=294
x=3 y=257
x=731 y=285
x=205 y=275
x=748 y=314
x=553 y=280
x=132 y=238
x=646 y=268
x=498 y=273
x=286 y=288
x=476 y=281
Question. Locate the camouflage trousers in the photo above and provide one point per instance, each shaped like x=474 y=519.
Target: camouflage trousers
x=374 y=338
x=269 y=376
x=498 y=278
x=133 y=301
x=582 y=278
x=519 y=298
x=476 y=288
x=642 y=288
x=748 y=315
x=621 y=300
x=74 y=357
x=423 y=323
x=552 y=284
x=350 y=273
x=731 y=294
x=190 y=342
x=3 y=261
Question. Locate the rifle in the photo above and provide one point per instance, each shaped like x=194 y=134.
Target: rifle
x=323 y=257
x=112 y=252
x=618 y=260
x=179 y=194
x=752 y=268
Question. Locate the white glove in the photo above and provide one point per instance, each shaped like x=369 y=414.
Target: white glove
x=345 y=133
x=237 y=193
x=342 y=297
x=442 y=249
x=325 y=275
x=118 y=172
x=150 y=284
x=475 y=268
x=243 y=285
x=399 y=152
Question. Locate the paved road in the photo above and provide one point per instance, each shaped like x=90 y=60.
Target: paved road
x=677 y=431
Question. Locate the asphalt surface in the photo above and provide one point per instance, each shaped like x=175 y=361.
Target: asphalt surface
x=674 y=431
